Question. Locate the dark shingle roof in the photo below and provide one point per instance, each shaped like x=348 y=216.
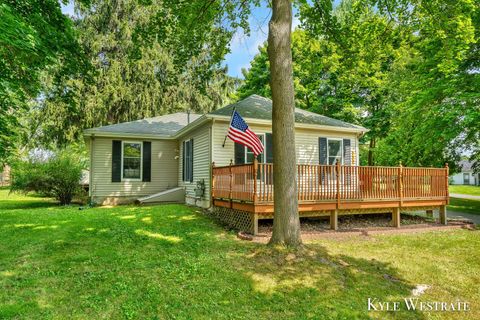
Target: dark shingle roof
x=166 y=125
x=258 y=107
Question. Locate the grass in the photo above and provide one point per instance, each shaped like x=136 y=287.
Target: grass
x=172 y=262
x=464 y=205
x=470 y=190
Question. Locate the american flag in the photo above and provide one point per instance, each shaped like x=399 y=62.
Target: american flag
x=240 y=133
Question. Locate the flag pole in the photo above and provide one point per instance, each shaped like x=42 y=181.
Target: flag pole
x=229 y=124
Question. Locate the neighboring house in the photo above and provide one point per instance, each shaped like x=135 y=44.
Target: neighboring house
x=466 y=176
x=5 y=176
x=169 y=158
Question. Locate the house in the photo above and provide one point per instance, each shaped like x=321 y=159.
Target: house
x=466 y=176
x=141 y=158
x=184 y=157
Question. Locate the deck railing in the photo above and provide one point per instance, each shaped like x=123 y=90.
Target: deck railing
x=332 y=183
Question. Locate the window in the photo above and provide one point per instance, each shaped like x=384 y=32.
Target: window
x=131 y=160
x=249 y=156
x=335 y=151
x=466 y=178
x=187 y=164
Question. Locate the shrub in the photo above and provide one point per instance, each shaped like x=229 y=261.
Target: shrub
x=56 y=176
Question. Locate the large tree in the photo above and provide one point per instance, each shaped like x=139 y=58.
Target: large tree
x=286 y=222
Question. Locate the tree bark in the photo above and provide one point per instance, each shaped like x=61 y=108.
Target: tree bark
x=286 y=222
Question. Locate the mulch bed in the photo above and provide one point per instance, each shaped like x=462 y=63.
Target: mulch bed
x=361 y=226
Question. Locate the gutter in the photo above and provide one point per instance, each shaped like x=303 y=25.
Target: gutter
x=98 y=133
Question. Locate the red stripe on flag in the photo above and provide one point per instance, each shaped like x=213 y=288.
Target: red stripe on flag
x=244 y=140
x=250 y=136
x=250 y=140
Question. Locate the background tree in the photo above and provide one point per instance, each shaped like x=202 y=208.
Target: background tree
x=34 y=35
x=135 y=75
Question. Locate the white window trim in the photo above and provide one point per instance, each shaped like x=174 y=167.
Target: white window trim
x=141 y=161
x=264 y=148
x=183 y=162
x=341 y=150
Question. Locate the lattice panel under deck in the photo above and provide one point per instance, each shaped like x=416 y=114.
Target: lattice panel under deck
x=238 y=219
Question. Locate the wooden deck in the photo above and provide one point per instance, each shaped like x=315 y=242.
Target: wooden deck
x=333 y=189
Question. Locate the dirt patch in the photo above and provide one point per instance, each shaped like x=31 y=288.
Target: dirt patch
x=361 y=226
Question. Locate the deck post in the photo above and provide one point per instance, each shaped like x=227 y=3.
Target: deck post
x=334 y=219
x=338 y=183
x=443 y=215
x=255 y=166
x=396 y=217
x=255 y=224
x=446 y=183
x=429 y=213
x=400 y=184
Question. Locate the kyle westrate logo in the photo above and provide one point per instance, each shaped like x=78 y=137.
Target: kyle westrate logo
x=415 y=304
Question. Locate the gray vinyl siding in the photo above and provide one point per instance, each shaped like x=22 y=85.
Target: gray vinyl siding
x=306 y=143
x=163 y=173
x=201 y=164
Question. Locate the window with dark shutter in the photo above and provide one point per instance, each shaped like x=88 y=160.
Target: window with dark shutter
x=116 y=161
x=183 y=160
x=187 y=161
x=147 y=161
x=347 y=153
x=191 y=161
x=322 y=151
x=269 y=147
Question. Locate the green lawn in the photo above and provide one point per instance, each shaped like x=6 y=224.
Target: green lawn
x=170 y=261
x=464 y=205
x=471 y=190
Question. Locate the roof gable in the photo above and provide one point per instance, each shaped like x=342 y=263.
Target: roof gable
x=257 y=107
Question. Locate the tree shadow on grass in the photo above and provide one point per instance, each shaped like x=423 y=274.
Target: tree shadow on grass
x=327 y=287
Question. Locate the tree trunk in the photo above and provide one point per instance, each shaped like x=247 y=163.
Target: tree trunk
x=286 y=222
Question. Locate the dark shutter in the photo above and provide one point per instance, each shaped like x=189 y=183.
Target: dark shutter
x=183 y=160
x=347 y=154
x=322 y=151
x=269 y=147
x=116 y=161
x=191 y=160
x=239 y=153
x=147 y=161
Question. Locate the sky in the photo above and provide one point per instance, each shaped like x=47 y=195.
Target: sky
x=243 y=47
